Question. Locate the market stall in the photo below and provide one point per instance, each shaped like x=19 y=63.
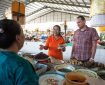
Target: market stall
x=56 y=72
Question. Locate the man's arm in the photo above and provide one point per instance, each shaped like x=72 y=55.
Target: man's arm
x=72 y=52
x=73 y=47
x=95 y=37
x=94 y=46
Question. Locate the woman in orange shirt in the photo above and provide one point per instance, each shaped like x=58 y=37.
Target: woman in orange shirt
x=55 y=44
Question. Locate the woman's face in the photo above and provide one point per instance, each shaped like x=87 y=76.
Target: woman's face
x=56 y=30
x=20 y=39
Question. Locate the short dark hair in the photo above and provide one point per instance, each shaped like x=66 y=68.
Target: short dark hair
x=57 y=27
x=8 y=31
x=82 y=17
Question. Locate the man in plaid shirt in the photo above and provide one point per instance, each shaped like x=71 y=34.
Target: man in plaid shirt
x=84 y=41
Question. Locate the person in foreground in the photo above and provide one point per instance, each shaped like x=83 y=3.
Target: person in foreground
x=14 y=70
x=55 y=44
x=84 y=41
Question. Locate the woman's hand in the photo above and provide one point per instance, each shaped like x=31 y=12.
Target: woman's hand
x=61 y=47
x=41 y=47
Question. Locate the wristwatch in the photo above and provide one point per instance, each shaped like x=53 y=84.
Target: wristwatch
x=91 y=58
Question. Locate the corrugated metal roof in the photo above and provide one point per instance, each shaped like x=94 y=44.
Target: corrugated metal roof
x=36 y=8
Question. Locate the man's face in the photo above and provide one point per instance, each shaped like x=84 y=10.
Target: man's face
x=80 y=23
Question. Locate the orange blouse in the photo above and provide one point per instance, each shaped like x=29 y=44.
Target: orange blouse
x=52 y=43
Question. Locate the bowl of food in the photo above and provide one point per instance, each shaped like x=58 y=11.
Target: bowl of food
x=75 y=78
x=101 y=74
x=40 y=68
x=51 y=79
x=42 y=58
x=30 y=55
x=64 y=68
x=88 y=72
x=56 y=61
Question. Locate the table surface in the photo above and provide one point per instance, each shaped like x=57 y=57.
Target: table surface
x=91 y=81
x=96 y=81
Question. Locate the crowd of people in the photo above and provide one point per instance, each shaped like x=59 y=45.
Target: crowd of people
x=35 y=36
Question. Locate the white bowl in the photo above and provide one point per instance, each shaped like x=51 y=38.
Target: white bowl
x=88 y=72
x=64 y=68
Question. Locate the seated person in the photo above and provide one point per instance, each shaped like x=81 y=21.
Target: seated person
x=14 y=70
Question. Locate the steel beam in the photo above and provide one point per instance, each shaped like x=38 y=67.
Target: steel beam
x=60 y=3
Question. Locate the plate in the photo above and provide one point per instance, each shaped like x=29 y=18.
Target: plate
x=64 y=68
x=89 y=73
x=51 y=79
